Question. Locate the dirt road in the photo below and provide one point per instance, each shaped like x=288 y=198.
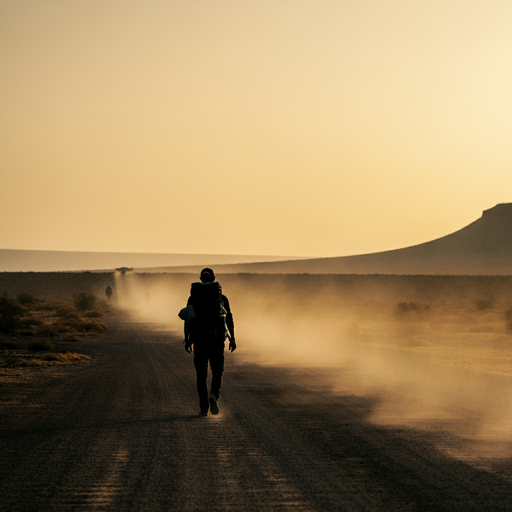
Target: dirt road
x=122 y=433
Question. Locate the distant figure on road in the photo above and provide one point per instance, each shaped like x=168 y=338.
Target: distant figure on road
x=108 y=293
x=208 y=321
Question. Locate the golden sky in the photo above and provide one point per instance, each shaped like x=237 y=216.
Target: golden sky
x=300 y=127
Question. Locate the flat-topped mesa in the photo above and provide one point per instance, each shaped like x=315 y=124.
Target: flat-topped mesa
x=502 y=209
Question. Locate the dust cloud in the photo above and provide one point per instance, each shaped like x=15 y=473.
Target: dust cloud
x=434 y=352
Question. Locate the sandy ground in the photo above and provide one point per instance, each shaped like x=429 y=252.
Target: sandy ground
x=121 y=432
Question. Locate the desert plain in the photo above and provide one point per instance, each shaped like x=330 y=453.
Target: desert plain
x=346 y=392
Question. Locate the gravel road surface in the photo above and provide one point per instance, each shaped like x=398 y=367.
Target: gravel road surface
x=122 y=433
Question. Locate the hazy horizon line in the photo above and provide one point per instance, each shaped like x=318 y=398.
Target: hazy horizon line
x=164 y=253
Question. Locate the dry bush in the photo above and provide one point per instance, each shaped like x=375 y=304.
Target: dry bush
x=47 y=330
x=404 y=309
x=94 y=325
x=10 y=312
x=61 y=326
x=63 y=357
x=65 y=309
x=94 y=314
x=52 y=356
x=6 y=344
x=12 y=361
x=85 y=301
x=73 y=356
x=76 y=324
x=43 y=306
x=25 y=299
x=31 y=321
x=42 y=345
x=71 y=336
x=73 y=315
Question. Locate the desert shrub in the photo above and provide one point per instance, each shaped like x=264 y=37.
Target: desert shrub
x=406 y=308
x=91 y=324
x=84 y=301
x=72 y=316
x=71 y=337
x=94 y=314
x=63 y=356
x=75 y=323
x=30 y=321
x=52 y=356
x=12 y=361
x=10 y=312
x=65 y=310
x=94 y=325
x=47 y=330
x=25 y=332
x=73 y=356
x=43 y=306
x=53 y=329
x=42 y=345
x=6 y=344
x=483 y=304
x=25 y=298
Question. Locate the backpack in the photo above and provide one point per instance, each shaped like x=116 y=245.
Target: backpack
x=210 y=316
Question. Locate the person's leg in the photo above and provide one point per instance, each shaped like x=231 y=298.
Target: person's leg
x=217 y=367
x=201 y=364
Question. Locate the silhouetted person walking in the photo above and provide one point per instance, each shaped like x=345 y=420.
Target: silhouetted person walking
x=208 y=321
x=108 y=293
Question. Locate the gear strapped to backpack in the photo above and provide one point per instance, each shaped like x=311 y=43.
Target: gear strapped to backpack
x=209 y=321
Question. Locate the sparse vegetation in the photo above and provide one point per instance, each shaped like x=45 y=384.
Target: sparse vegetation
x=63 y=356
x=65 y=309
x=12 y=361
x=406 y=308
x=56 y=320
x=6 y=344
x=10 y=313
x=85 y=301
x=31 y=321
x=43 y=306
x=94 y=325
x=71 y=337
x=33 y=328
x=49 y=358
x=25 y=298
x=41 y=345
x=47 y=330
x=94 y=314
x=73 y=315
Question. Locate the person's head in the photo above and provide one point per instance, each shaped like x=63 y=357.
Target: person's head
x=207 y=275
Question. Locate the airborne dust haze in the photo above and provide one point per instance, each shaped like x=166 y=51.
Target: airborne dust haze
x=434 y=352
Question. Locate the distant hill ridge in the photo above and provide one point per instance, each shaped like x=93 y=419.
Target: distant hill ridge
x=12 y=260
x=484 y=247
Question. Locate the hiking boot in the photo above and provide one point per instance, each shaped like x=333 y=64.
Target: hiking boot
x=214 y=406
x=203 y=412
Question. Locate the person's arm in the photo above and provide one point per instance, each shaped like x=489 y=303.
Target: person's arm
x=230 y=324
x=188 y=342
